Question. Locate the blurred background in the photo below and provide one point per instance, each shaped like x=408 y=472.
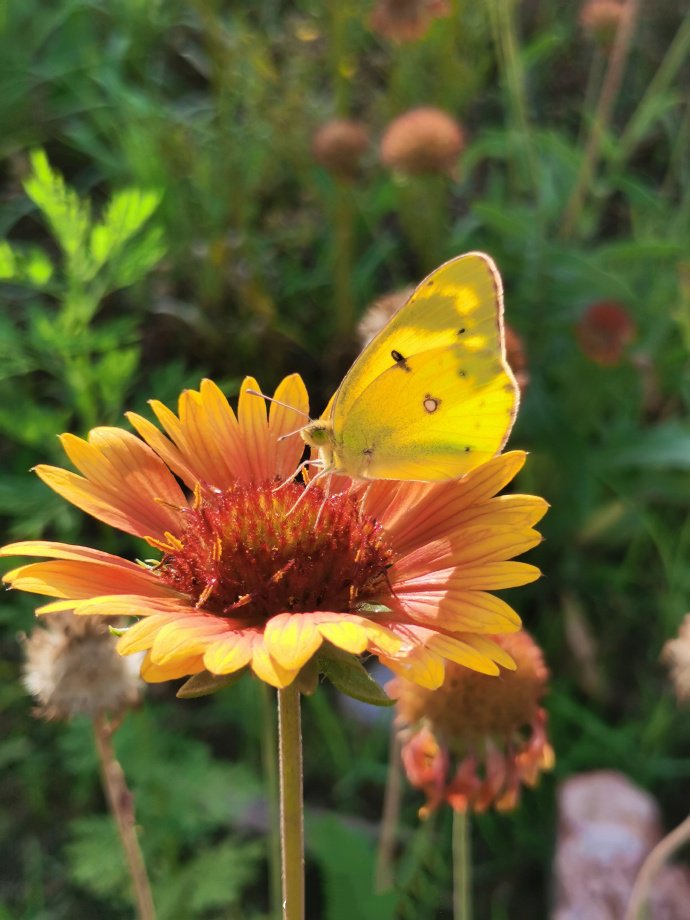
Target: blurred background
x=216 y=188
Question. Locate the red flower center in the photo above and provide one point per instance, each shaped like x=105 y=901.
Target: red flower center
x=250 y=552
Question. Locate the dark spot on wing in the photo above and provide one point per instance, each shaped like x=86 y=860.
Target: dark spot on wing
x=462 y=373
x=400 y=360
x=430 y=284
x=462 y=331
x=467 y=450
x=431 y=403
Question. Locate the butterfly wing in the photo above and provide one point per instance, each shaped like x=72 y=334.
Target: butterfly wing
x=431 y=397
x=463 y=294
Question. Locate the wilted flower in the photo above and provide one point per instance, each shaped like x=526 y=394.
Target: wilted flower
x=407 y=20
x=601 y=19
x=474 y=741
x=257 y=571
x=72 y=668
x=605 y=331
x=676 y=655
x=424 y=140
x=380 y=311
x=338 y=146
x=517 y=357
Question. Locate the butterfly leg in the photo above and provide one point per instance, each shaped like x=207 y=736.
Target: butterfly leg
x=303 y=465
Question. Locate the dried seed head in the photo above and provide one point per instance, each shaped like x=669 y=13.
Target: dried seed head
x=72 y=668
x=605 y=331
x=601 y=19
x=424 y=140
x=676 y=655
x=339 y=146
x=379 y=312
x=407 y=20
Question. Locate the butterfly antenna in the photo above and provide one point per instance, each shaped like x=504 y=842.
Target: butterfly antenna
x=279 y=403
x=284 y=437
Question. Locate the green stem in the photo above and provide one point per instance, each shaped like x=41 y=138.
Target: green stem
x=291 y=806
x=385 y=874
x=602 y=118
x=343 y=226
x=270 y=765
x=462 y=867
x=121 y=805
x=513 y=74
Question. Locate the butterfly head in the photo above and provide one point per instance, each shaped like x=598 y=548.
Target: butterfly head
x=319 y=435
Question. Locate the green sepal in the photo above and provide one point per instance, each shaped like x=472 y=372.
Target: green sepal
x=204 y=684
x=349 y=676
x=117 y=630
x=308 y=678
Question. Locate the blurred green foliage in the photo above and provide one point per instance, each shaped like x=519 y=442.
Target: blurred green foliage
x=164 y=219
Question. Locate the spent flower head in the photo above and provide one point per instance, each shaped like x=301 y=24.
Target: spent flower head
x=72 y=668
x=473 y=742
x=423 y=140
x=601 y=19
x=253 y=570
x=605 y=331
x=407 y=20
x=339 y=145
x=676 y=655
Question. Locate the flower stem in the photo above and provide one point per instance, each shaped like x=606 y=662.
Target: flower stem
x=462 y=868
x=652 y=864
x=602 y=117
x=291 y=806
x=389 y=819
x=268 y=748
x=121 y=805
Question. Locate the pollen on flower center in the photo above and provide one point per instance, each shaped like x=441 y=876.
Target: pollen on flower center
x=248 y=553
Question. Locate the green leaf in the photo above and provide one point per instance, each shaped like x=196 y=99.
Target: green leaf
x=30 y=266
x=666 y=446
x=205 y=683
x=348 y=675
x=346 y=859
x=66 y=213
x=126 y=213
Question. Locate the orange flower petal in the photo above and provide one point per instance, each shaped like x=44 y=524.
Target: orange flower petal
x=157 y=674
x=186 y=637
x=346 y=634
x=491 y=649
x=66 y=551
x=459 y=610
x=129 y=478
x=435 y=508
x=229 y=654
x=462 y=653
x=291 y=639
x=421 y=666
x=494 y=576
x=251 y=413
x=164 y=447
x=68 y=578
x=140 y=636
x=268 y=669
x=124 y=605
x=286 y=454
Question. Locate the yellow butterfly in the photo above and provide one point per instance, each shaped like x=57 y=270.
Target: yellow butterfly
x=431 y=396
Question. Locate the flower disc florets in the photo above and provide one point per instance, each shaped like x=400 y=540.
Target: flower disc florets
x=251 y=552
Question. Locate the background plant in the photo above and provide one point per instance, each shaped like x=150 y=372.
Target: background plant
x=164 y=219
